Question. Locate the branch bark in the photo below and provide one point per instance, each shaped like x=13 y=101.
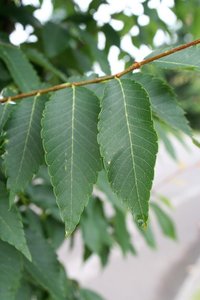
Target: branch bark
x=134 y=66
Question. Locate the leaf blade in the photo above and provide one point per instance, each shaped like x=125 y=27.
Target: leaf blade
x=127 y=102
x=67 y=154
x=11 y=268
x=24 y=152
x=11 y=227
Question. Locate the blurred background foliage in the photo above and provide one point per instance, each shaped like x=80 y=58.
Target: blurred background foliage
x=68 y=43
x=76 y=41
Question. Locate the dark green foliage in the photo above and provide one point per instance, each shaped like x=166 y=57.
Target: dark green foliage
x=72 y=156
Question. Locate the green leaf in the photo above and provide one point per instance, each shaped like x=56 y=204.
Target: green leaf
x=187 y=59
x=55 y=39
x=94 y=227
x=44 y=268
x=166 y=223
x=104 y=186
x=128 y=144
x=5 y=111
x=40 y=59
x=19 y=67
x=86 y=294
x=24 y=292
x=163 y=135
x=11 y=227
x=148 y=235
x=24 y=152
x=72 y=153
x=163 y=101
x=121 y=233
x=98 y=55
x=11 y=268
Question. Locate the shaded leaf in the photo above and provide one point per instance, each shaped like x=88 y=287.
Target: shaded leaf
x=11 y=268
x=148 y=235
x=55 y=39
x=121 y=233
x=165 y=222
x=24 y=292
x=72 y=152
x=5 y=111
x=11 y=227
x=44 y=268
x=128 y=144
x=187 y=59
x=94 y=227
x=163 y=101
x=19 y=67
x=104 y=186
x=39 y=58
x=86 y=294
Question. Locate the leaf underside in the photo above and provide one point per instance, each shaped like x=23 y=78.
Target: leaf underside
x=128 y=144
x=72 y=153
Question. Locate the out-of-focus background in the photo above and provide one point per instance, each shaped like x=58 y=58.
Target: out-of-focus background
x=83 y=35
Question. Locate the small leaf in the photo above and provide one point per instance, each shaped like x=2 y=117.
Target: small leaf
x=94 y=227
x=187 y=59
x=163 y=102
x=19 y=67
x=11 y=227
x=121 y=233
x=24 y=291
x=72 y=153
x=86 y=294
x=11 y=269
x=44 y=268
x=104 y=186
x=165 y=221
x=5 y=111
x=148 y=235
x=40 y=59
x=128 y=144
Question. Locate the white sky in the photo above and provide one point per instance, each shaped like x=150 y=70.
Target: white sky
x=103 y=16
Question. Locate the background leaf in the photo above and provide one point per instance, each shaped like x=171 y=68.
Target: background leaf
x=128 y=144
x=163 y=101
x=165 y=221
x=11 y=268
x=11 y=227
x=24 y=152
x=187 y=59
x=44 y=268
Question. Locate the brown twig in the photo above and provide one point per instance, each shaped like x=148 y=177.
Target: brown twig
x=134 y=66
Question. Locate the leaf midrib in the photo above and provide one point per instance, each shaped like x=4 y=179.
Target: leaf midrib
x=72 y=151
